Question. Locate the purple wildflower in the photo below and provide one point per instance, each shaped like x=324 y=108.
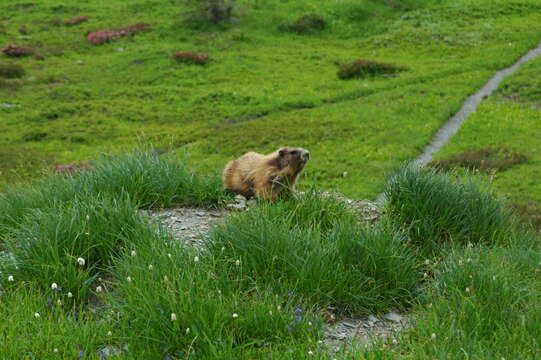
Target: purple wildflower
x=167 y=357
x=298 y=318
x=102 y=356
x=297 y=310
x=290 y=294
x=49 y=303
x=81 y=354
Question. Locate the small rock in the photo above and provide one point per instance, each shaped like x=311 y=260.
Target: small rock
x=110 y=351
x=372 y=319
x=79 y=62
x=8 y=106
x=394 y=317
x=120 y=49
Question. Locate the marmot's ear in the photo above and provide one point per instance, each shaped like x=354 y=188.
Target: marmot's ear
x=282 y=152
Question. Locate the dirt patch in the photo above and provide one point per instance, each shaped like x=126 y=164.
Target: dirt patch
x=305 y=24
x=17 y=51
x=367 y=68
x=528 y=212
x=11 y=71
x=103 y=36
x=485 y=160
x=188 y=57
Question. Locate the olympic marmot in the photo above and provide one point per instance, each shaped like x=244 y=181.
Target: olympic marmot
x=265 y=176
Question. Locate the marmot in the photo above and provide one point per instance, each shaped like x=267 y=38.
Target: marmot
x=265 y=176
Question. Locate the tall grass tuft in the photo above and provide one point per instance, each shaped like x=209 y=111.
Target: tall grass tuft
x=438 y=208
x=148 y=180
x=152 y=181
x=185 y=304
x=71 y=244
x=315 y=249
x=486 y=304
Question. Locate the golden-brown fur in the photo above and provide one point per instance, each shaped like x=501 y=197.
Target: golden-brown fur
x=265 y=176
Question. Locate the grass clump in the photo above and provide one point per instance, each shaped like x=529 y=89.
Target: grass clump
x=438 y=208
x=17 y=51
x=34 y=328
x=188 y=57
x=486 y=305
x=485 y=160
x=306 y=24
x=11 y=71
x=148 y=180
x=70 y=244
x=186 y=304
x=366 y=68
x=330 y=260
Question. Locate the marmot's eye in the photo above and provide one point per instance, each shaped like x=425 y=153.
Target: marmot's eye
x=294 y=152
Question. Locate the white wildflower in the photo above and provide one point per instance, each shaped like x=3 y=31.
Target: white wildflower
x=70 y=294
x=173 y=317
x=37 y=315
x=310 y=352
x=133 y=253
x=150 y=267
x=109 y=333
x=467 y=289
x=169 y=256
x=81 y=261
x=165 y=278
x=59 y=302
x=129 y=279
x=433 y=336
x=187 y=330
x=427 y=262
x=55 y=350
x=223 y=248
x=235 y=315
x=237 y=262
x=88 y=217
x=10 y=278
x=196 y=259
x=99 y=289
x=54 y=286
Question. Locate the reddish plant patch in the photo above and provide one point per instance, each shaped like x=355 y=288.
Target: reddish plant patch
x=103 y=36
x=71 y=168
x=365 y=68
x=191 y=58
x=17 y=51
x=75 y=21
x=485 y=160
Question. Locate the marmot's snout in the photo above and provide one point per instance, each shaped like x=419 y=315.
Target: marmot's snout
x=305 y=155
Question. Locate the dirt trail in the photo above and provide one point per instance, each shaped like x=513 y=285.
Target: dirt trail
x=446 y=132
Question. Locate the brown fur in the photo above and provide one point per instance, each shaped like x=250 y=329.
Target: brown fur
x=265 y=176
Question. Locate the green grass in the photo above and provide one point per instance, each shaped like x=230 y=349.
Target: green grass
x=265 y=280
x=56 y=334
x=264 y=88
x=510 y=119
x=307 y=247
x=438 y=209
x=148 y=180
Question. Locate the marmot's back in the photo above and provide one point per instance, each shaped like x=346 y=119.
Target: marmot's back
x=264 y=176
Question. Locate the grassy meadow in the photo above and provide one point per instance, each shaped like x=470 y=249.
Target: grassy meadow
x=264 y=87
x=84 y=275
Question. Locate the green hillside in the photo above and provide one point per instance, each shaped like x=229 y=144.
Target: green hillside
x=265 y=86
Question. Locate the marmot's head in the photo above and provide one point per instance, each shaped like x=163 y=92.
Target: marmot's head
x=293 y=157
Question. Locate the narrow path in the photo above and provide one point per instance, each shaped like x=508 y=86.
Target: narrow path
x=446 y=132
x=450 y=128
